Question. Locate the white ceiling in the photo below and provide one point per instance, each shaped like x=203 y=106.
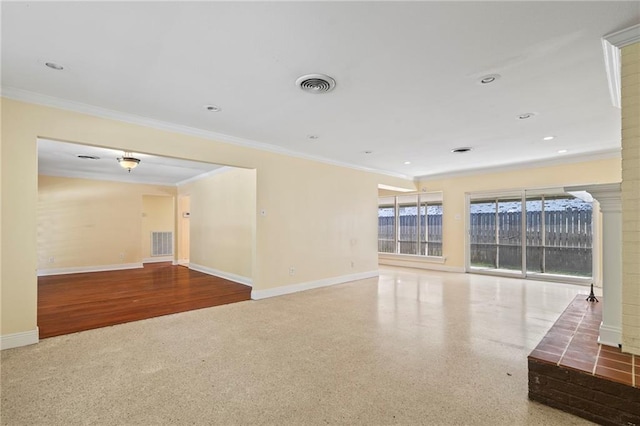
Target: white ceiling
x=407 y=74
x=61 y=159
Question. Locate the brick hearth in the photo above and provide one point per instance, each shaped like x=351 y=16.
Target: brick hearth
x=570 y=371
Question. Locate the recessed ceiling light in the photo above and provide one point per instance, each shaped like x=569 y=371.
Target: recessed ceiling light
x=87 y=157
x=407 y=162
x=548 y=138
x=487 y=79
x=54 y=66
x=313 y=137
x=212 y=108
x=562 y=151
x=461 y=150
x=525 y=116
x=368 y=152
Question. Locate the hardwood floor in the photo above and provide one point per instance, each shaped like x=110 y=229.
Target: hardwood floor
x=76 y=302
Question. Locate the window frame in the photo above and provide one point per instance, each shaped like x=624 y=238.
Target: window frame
x=425 y=199
x=525 y=195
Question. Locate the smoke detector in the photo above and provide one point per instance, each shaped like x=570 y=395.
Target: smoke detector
x=316 y=83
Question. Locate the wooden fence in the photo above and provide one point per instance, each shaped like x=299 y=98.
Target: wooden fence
x=559 y=244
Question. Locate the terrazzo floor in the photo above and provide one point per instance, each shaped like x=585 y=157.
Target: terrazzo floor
x=411 y=348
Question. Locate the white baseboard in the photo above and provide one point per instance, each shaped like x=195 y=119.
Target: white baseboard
x=421 y=265
x=222 y=274
x=158 y=259
x=15 y=340
x=610 y=336
x=294 y=288
x=82 y=269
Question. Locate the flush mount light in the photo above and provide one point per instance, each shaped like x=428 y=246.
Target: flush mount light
x=487 y=79
x=407 y=163
x=368 y=152
x=562 y=151
x=87 y=157
x=127 y=161
x=461 y=150
x=525 y=116
x=548 y=138
x=313 y=137
x=316 y=83
x=54 y=66
x=212 y=108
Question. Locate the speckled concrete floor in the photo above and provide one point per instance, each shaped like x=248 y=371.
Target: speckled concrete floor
x=408 y=348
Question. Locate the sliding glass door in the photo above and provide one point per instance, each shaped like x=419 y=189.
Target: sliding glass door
x=495 y=234
x=533 y=234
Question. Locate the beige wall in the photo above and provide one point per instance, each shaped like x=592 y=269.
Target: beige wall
x=316 y=212
x=631 y=198
x=454 y=190
x=183 y=225
x=223 y=220
x=85 y=222
x=158 y=215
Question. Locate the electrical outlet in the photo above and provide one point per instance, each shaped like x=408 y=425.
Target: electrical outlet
x=121 y=256
x=292 y=271
x=52 y=259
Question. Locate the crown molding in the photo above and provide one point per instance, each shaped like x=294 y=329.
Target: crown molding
x=611 y=45
x=612 y=67
x=50 y=101
x=624 y=37
x=590 y=156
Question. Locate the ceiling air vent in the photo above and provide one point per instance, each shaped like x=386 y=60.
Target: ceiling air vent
x=316 y=83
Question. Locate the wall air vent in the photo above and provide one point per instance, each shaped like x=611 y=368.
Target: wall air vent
x=316 y=83
x=161 y=243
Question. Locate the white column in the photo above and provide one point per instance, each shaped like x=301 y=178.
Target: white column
x=610 y=198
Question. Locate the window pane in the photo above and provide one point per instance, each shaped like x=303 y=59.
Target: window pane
x=534 y=237
x=509 y=234
x=386 y=229
x=408 y=229
x=568 y=236
x=483 y=234
x=434 y=229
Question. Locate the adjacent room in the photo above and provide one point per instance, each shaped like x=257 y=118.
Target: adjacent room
x=361 y=213
x=114 y=241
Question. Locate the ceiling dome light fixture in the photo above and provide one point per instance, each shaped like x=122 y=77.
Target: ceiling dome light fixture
x=54 y=66
x=316 y=83
x=212 y=108
x=461 y=150
x=127 y=161
x=406 y=163
x=313 y=137
x=487 y=79
x=368 y=152
x=548 y=138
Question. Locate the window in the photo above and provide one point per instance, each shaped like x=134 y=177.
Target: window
x=410 y=224
x=387 y=226
x=534 y=233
